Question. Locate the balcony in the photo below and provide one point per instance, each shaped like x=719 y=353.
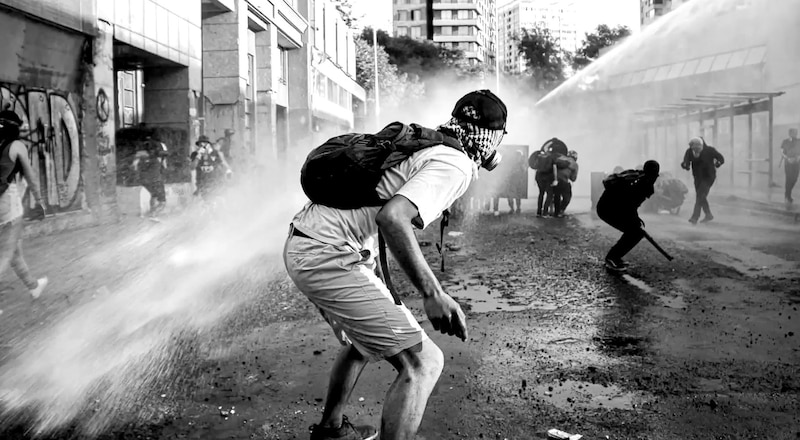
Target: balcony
x=456 y=6
x=456 y=38
x=456 y=22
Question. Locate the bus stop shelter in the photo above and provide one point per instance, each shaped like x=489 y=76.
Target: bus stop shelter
x=665 y=126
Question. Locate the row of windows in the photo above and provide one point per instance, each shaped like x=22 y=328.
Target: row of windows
x=415 y=31
x=466 y=46
x=328 y=89
x=455 y=30
x=697 y=66
x=460 y=14
x=333 y=37
x=416 y=15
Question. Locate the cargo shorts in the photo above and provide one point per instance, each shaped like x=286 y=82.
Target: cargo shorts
x=341 y=282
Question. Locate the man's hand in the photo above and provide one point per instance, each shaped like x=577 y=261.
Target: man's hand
x=446 y=315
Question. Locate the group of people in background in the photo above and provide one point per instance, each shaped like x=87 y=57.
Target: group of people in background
x=208 y=162
x=556 y=169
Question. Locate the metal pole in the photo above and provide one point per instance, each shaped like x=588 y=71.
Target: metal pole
x=750 y=145
x=497 y=47
x=769 y=144
x=731 y=163
x=377 y=83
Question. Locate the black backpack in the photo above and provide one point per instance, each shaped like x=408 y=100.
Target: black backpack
x=344 y=172
x=4 y=148
x=622 y=180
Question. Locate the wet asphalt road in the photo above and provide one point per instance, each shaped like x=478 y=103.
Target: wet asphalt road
x=703 y=347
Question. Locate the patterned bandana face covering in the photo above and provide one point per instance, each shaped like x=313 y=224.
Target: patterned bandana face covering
x=479 y=143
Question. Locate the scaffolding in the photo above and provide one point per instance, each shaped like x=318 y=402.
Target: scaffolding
x=714 y=107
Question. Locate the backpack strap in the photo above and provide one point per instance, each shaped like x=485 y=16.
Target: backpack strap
x=387 y=278
x=442 y=225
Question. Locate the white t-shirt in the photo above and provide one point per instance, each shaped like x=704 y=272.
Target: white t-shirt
x=432 y=179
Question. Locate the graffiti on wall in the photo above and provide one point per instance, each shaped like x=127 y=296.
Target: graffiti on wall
x=53 y=141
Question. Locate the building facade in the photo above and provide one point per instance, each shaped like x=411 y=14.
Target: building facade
x=77 y=71
x=465 y=25
x=293 y=70
x=91 y=78
x=651 y=10
x=557 y=16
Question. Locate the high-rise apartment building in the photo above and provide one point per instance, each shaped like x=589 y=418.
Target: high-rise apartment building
x=650 y=10
x=464 y=25
x=557 y=16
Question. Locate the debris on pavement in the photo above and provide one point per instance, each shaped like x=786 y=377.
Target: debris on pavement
x=561 y=435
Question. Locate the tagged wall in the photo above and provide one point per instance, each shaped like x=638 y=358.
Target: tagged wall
x=53 y=141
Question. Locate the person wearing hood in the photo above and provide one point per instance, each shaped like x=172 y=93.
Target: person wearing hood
x=703 y=160
x=330 y=255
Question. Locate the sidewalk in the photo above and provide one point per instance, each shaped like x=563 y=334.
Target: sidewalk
x=763 y=202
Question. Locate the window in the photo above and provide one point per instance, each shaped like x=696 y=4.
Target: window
x=402 y=31
x=402 y=15
x=417 y=15
x=447 y=15
x=464 y=14
x=284 y=65
x=333 y=90
x=416 y=31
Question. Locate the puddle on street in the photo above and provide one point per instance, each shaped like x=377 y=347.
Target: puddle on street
x=572 y=394
x=484 y=299
x=672 y=302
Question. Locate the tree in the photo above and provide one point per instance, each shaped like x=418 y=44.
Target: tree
x=594 y=42
x=395 y=87
x=419 y=58
x=346 y=9
x=544 y=59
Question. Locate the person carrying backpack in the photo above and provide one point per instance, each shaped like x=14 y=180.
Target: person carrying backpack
x=367 y=189
x=151 y=162
x=14 y=163
x=618 y=205
x=566 y=173
x=543 y=161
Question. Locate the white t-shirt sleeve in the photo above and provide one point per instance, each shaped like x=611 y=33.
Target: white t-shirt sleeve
x=437 y=183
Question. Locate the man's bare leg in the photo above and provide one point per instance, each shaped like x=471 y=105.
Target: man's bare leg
x=345 y=373
x=418 y=371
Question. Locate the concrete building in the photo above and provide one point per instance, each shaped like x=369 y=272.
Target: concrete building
x=465 y=25
x=557 y=16
x=77 y=71
x=651 y=10
x=276 y=72
x=91 y=77
x=410 y=18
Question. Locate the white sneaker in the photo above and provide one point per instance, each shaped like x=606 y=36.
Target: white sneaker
x=42 y=283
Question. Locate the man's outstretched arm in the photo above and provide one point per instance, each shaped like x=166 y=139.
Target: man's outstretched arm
x=395 y=223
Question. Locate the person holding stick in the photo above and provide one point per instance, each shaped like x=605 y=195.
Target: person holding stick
x=618 y=206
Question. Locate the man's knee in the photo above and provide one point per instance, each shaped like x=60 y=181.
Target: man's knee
x=422 y=361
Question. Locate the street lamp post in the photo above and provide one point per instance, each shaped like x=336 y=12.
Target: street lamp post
x=497 y=46
x=376 y=85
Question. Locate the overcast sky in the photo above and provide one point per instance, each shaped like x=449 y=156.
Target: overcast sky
x=378 y=13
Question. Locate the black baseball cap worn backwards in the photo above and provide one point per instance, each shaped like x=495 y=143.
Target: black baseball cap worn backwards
x=482 y=108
